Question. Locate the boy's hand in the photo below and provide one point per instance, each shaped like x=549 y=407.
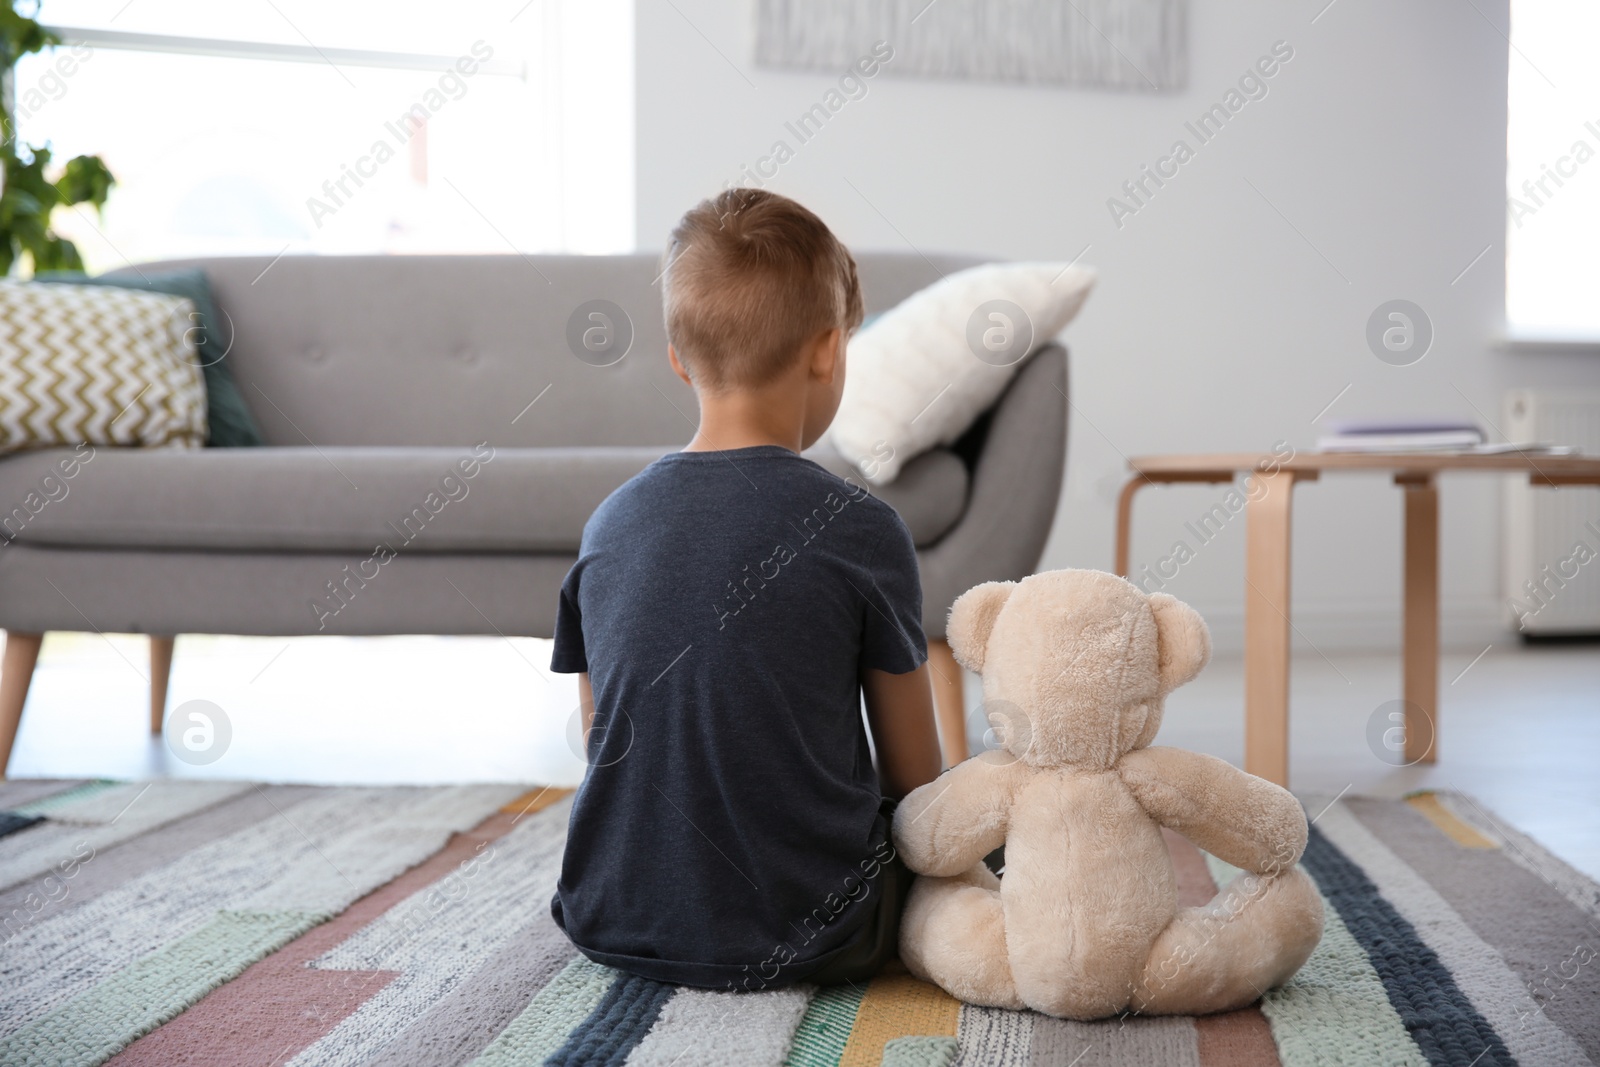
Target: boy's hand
x=900 y=712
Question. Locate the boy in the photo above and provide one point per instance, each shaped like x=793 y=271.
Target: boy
x=728 y=608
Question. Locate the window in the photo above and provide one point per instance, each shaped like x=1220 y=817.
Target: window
x=1553 y=172
x=357 y=127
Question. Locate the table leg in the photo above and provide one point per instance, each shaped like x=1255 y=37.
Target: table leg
x=1266 y=629
x=1421 y=681
x=1125 y=521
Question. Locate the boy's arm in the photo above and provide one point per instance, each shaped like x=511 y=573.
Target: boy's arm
x=586 y=702
x=900 y=712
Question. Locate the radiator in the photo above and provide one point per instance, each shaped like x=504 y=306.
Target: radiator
x=1552 y=536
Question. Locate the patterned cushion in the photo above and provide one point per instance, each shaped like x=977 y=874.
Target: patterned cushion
x=97 y=365
x=231 y=423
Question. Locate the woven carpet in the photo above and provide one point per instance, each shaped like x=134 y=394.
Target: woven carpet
x=229 y=923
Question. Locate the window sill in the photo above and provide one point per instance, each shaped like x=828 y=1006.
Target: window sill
x=1545 y=341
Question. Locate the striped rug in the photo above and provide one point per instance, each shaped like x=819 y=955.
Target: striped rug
x=238 y=924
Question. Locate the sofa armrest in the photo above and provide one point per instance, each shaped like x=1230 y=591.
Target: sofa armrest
x=1016 y=484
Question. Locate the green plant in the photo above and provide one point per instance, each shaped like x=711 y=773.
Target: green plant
x=28 y=197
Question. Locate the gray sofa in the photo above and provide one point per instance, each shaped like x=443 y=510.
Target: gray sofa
x=372 y=379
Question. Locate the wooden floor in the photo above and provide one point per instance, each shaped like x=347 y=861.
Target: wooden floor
x=1519 y=730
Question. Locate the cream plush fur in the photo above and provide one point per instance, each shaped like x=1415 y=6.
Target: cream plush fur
x=1085 y=922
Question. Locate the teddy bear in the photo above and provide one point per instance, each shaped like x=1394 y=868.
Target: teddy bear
x=1085 y=922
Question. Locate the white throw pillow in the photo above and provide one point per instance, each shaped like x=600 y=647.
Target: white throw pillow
x=927 y=368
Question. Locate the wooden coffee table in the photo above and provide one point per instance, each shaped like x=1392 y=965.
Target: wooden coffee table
x=1266 y=595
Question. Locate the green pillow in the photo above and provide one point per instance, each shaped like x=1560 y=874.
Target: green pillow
x=231 y=424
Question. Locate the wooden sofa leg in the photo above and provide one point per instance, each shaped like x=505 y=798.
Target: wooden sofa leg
x=160 y=671
x=16 y=672
x=949 y=701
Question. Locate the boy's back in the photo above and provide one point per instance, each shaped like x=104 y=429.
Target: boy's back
x=724 y=606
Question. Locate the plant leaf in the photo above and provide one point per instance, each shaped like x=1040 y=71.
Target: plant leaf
x=87 y=180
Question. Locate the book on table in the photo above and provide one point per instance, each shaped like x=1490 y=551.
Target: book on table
x=1423 y=435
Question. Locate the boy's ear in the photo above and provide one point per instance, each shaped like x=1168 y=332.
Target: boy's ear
x=677 y=367
x=972 y=619
x=826 y=353
x=1183 y=641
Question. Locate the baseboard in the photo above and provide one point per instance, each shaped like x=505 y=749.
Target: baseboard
x=1464 y=626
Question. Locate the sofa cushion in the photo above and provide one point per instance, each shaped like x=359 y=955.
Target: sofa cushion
x=107 y=366
x=924 y=372
x=433 y=350
x=229 y=422
x=354 y=499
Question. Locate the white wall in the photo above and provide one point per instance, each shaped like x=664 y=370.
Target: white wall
x=1222 y=321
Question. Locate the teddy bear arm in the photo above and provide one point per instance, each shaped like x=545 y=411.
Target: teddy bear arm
x=1237 y=817
x=945 y=827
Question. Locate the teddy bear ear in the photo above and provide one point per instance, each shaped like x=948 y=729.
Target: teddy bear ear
x=1183 y=641
x=972 y=619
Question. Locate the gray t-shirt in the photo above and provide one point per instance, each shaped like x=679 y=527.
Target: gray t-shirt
x=727 y=833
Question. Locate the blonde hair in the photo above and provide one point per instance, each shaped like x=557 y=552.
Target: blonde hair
x=749 y=277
